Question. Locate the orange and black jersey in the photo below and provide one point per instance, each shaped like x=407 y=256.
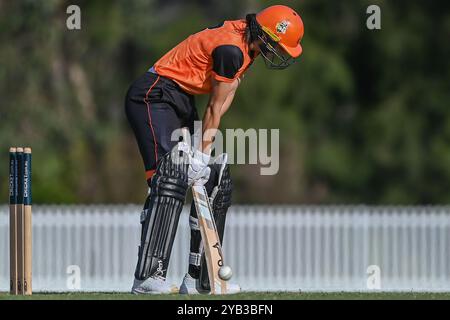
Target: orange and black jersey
x=220 y=52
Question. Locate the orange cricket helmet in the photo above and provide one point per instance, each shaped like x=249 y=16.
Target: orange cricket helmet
x=284 y=26
x=278 y=31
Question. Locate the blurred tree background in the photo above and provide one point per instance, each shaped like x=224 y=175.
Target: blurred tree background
x=364 y=115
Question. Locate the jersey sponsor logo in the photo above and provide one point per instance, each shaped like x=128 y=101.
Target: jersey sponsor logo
x=282 y=26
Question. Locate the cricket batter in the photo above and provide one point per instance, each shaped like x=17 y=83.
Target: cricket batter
x=213 y=62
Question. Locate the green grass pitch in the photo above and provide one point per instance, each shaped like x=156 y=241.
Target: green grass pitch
x=240 y=296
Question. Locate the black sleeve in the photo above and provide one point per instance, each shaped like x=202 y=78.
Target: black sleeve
x=227 y=60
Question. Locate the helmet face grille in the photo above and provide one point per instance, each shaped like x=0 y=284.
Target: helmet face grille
x=274 y=56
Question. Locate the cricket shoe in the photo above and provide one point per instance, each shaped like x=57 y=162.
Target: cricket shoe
x=153 y=285
x=191 y=285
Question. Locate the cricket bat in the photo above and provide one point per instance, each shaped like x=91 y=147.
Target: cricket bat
x=210 y=238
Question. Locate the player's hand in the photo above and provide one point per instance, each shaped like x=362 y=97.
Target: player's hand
x=198 y=170
x=202 y=178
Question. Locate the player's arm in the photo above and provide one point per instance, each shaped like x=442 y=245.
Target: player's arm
x=220 y=100
x=227 y=60
x=230 y=96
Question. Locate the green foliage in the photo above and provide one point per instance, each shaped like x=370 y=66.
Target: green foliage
x=362 y=114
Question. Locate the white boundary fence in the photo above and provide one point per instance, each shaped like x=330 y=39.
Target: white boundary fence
x=308 y=248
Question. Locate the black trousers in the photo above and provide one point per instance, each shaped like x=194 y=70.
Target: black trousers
x=155 y=106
